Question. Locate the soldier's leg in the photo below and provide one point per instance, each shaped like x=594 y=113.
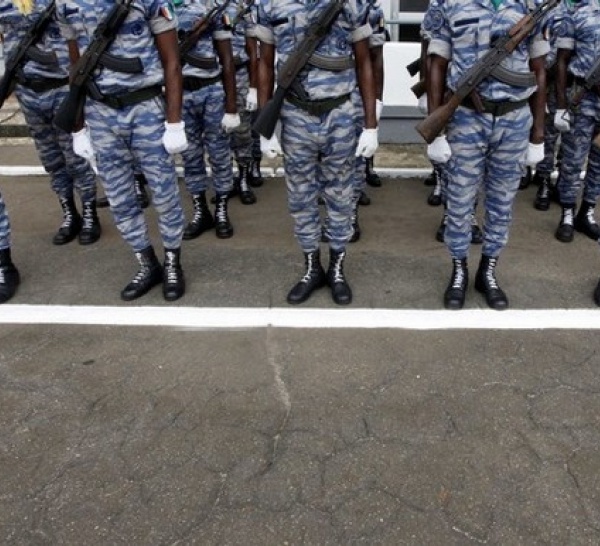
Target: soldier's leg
x=544 y=168
x=9 y=275
x=300 y=147
x=585 y=221
x=194 y=167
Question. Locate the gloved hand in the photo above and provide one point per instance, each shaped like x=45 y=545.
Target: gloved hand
x=270 y=146
x=535 y=153
x=174 y=139
x=252 y=100
x=378 y=109
x=562 y=120
x=439 y=150
x=423 y=104
x=230 y=122
x=82 y=144
x=367 y=143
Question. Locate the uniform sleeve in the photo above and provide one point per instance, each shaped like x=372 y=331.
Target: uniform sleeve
x=539 y=46
x=436 y=26
x=162 y=16
x=361 y=33
x=222 y=34
x=264 y=30
x=67 y=30
x=377 y=39
x=565 y=32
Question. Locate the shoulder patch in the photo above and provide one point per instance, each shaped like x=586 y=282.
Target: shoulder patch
x=433 y=20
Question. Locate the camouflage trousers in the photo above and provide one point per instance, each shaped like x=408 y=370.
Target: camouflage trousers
x=4 y=226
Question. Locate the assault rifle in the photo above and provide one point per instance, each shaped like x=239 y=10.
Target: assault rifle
x=414 y=67
x=269 y=114
x=69 y=112
x=21 y=53
x=591 y=80
x=187 y=40
x=434 y=123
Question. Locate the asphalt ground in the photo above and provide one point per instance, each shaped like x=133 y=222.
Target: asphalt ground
x=259 y=435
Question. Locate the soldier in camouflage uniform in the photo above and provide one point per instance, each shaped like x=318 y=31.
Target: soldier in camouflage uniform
x=210 y=115
x=318 y=132
x=245 y=58
x=131 y=122
x=578 y=48
x=41 y=85
x=9 y=275
x=486 y=148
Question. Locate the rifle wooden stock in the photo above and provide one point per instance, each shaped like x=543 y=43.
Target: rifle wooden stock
x=70 y=109
x=434 y=123
x=267 y=117
x=419 y=88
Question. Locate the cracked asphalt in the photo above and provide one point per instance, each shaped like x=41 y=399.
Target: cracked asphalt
x=272 y=436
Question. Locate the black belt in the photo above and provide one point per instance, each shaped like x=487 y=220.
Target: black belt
x=39 y=85
x=318 y=107
x=497 y=109
x=121 y=100
x=193 y=83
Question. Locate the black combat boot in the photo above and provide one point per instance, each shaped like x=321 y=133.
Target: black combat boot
x=476 y=233
x=9 y=276
x=585 y=222
x=430 y=178
x=313 y=279
x=223 y=226
x=435 y=197
x=455 y=294
x=340 y=289
x=371 y=176
x=538 y=178
x=363 y=199
x=439 y=234
x=355 y=225
x=246 y=194
x=90 y=229
x=173 y=279
x=486 y=283
x=140 y=183
x=525 y=179
x=565 y=230
x=597 y=294
x=148 y=275
x=202 y=219
x=255 y=178
x=542 y=196
x=71 y=224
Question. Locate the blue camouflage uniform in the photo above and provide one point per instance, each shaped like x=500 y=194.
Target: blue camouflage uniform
x=4 y=226
x=204 y=107
x=125 y=135
x=487 y=150
x=580 y=33
x=317 y=142
x=373 y=16
x=241 y=138
x=50 y=70
x=553 y=29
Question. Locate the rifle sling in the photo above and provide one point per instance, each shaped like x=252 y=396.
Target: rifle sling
x=192 y=83
x=122 y=100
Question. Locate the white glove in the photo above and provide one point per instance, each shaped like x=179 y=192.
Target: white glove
x=423 y=104
x=439 y=150
x=252 y=100
x=535 y=153
x=82 y=144
x=378 y=109
x=174 y=139
x=367 y=143
x=562 y=120
x=270 y=146
x=230 y=122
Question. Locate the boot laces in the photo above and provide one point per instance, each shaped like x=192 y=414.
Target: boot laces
x=171 y=267
x=221 y=210
x=2 y=275
x=338 y=268
x=490 y=274
x=310 y=264
x=143 y=270
x=88 y=216
x=568 y=216
x=198 y=212
x=67 y=213
x=591 y=219
x=544 y=190
x=459 y=275
x=244 y=179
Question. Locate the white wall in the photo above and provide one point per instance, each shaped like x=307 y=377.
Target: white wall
x=397 y=82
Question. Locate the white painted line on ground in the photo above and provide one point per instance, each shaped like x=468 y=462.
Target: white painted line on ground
x=236 y=317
